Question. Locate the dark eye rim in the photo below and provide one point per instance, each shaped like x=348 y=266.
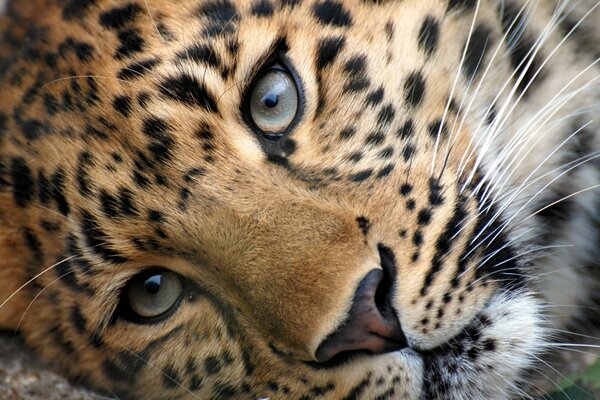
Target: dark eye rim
x=124 y=310
x=282 y=60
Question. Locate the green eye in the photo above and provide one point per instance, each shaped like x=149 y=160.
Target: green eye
x=274 y=101
x=153 y=294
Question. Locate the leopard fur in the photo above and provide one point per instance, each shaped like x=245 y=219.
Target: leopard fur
x=448 y=145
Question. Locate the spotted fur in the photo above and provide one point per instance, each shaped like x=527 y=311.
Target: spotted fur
x=440 y=141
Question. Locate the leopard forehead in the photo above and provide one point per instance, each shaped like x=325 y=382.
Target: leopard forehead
x=126 y=120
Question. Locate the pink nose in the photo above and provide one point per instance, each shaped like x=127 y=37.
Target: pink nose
x=371 y=326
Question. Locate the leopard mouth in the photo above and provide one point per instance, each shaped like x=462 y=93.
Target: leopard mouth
x=489 y=358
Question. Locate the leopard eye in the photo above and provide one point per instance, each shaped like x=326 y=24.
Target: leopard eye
x=274 y=101
x=153 y=294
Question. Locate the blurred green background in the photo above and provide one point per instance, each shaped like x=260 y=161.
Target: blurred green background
x=583 y=385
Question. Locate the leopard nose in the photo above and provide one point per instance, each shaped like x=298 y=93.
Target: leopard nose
x=371 y=326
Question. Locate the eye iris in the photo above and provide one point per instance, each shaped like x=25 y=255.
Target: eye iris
x=274 y=101
x=153 y=295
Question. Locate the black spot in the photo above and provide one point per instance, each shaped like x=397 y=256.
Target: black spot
x=216 y=29
x=156 y=216
x=521 y=45
x=347 y=132
x=479 y=42
x=171 y=378
x=140 y=180
x=155 y=127
x=332 y=12
x=23 y=185
x=406 y=189
x=386 y=115
x=202 y=54
x=414 y=89
x=363 y=224
x=375 y=139
x=223 y=391
x=435 y=193
x=218 y=10
x=83 y=51
x=424 y=217
x=361 y=176
x=96 y=132
x=122 y=104
x=193 y=173
x=205 y=137
x=437 y=129
x=328 y=49
x=3 y=124
x=77 y=8
x=429 y=35
x=50 y=103
x=97 y=240
x=375 y=97
x=212 y=365
x=119 y=17
x=82 y=176
x=462 y=4
x=262 y=8
x=58 y=191
x=355 y=68
x=33 y=128
x=109 y=204
x=190 y=91
x=117 y=373
x=356 y=392
x=385 y=171
x=137 y=69
x=49 y=226
x=356 y=156
x=131 y=43
x=444 y=244
x=161 y=145
x=143 y=98
x=44 y=189
x=34 y=245
x=406 y=130
x=195 y=383
x=77 y=319
x=289 y=3
x=386 y=153
x=489 y=345
x=408 y=152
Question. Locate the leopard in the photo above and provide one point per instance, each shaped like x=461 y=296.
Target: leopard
x=299 y=199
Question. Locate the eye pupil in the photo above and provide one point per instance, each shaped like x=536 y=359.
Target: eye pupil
x=152 y=284
x=270 y=99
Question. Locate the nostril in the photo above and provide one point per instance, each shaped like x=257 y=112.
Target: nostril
x=383 y=295
x=371 y=325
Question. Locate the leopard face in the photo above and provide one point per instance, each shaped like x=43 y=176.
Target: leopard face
x=274 y=199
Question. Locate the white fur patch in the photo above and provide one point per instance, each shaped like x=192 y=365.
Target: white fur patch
x=488 y=362
x=2 y=6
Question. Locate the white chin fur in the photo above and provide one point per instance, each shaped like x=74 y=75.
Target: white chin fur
x=514 y=326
